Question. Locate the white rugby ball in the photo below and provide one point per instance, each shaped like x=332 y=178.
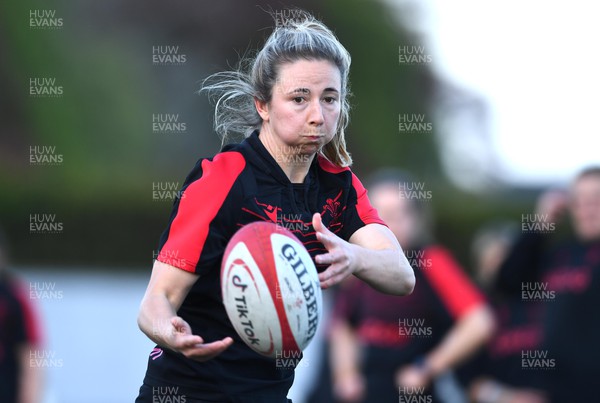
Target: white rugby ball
x=271 y=290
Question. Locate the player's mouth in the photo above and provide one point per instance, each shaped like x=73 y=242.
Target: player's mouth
x=313 y=138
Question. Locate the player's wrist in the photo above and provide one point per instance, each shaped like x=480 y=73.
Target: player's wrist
x=359 y=260
x=489 y=391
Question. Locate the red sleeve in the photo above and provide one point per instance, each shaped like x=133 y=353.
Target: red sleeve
x=199 y=204
x=30 y=319
x=451 y=284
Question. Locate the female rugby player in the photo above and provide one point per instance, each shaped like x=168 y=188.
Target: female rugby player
x=292 y=167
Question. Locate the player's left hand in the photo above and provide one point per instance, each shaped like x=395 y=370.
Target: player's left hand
x=413 y=377
x=341 y=255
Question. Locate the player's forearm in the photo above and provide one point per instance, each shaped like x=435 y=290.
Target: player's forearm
x=30 y=381
x=155 y=316
x=344 y=351
x=386 y=270
x=463 y=339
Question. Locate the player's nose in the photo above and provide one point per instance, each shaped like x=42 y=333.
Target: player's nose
x=315 y=113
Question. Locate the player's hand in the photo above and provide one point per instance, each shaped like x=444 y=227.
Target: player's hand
x=340 y=256
x=524 y=396
x=413 y=377
x=552 y=204
x=182 y=340
x=350 y=388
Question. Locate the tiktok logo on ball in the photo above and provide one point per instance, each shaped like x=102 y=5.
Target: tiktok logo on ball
x=242 y=308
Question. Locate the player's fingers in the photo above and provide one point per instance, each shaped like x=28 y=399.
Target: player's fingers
x=209 y=350
x=334 y=274
x=331 y=281
x=181 y=325
x=320 y=229
x=187 y=341
x=326 y=258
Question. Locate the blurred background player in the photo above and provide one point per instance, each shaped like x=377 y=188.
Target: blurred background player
x=408 y=343
x=495 y=374
x=19 y=335
x=569 y=271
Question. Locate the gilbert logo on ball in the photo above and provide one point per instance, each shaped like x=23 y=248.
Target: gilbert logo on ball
x=270 y=289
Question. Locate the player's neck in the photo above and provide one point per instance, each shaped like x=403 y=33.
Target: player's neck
x=293 y=163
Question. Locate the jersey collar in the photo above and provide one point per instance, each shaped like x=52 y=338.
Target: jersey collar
x=266 y=160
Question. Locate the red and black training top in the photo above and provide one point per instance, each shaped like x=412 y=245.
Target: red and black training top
x=242 y=184
x=397 y=331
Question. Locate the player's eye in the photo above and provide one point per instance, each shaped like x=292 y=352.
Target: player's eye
x=298 y=100
x=330 y=100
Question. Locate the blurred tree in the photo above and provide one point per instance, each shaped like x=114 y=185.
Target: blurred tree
x=102 y=57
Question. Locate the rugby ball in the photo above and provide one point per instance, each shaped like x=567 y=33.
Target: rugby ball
x=271 y=290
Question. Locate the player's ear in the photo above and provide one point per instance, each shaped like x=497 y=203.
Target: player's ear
x=262 y=108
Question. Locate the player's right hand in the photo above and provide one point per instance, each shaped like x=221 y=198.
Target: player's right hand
x=552 y=204
x=350 y=388
x=192 y=346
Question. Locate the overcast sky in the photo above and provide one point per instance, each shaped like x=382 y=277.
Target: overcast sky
x=536 y=64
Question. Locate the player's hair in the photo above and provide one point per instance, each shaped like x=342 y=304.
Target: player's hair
x=302 y=37
x=589 y=171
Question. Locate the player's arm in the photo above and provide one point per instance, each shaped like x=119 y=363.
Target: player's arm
x=467 y=335
x=158 y=318
x=373 y=255
x=30 y=379
x=348 y=382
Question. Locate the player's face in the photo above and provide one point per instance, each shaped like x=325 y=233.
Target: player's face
x=305 y=105
x=396 y=212
x=585 y=207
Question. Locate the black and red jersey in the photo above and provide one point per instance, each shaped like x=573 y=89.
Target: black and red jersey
x=242 y=184
x=564 y=278
x=397 y=331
